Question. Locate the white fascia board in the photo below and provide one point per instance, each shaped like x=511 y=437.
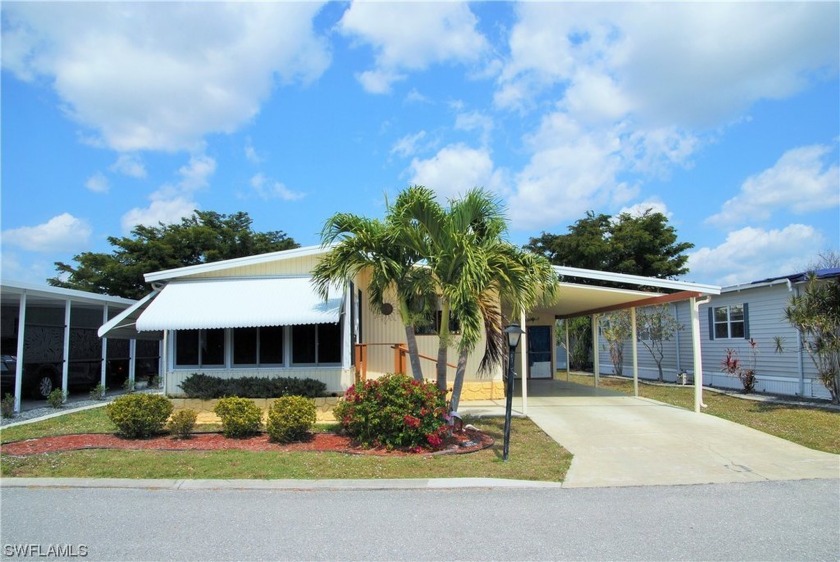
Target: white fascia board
x=639 y=280
x=47 y=291
x=168 y=274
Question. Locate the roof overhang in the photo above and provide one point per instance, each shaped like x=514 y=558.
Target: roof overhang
x=578 y=299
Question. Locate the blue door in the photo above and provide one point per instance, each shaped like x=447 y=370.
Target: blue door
x=539 y=352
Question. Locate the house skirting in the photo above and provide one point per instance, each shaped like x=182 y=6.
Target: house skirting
x=473 y=390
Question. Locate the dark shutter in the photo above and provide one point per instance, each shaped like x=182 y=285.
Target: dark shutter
x=711 y=323
x=746 y=321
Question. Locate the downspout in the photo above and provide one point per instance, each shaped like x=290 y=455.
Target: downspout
x=698 y=359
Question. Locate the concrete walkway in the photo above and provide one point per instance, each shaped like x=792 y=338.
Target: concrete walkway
x=618 y=440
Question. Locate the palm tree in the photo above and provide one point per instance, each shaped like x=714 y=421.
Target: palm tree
x=473 y=270
x=362 y=244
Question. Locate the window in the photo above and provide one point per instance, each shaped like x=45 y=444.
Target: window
x=432 y=325
x=729 y=322
x=258 y=346
x=316 y=344
x=202 y=348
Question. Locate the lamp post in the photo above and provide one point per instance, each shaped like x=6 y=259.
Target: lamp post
x=513 y=332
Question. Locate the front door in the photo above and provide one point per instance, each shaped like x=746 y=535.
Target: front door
x=539 y=352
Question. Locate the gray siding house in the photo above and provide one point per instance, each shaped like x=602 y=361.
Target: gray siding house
x=751 y=311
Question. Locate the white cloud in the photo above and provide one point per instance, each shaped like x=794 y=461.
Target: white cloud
x=129 y=165
x=98 y=183
x=266 y=188
x=654 y=205
x=571 y=171
x=171 y=202
x=475 y=121
x=455 y=169
x=411 y=36
x=62 y=233
x=166 y=211
x=751 y=254
x=132 y=73
x=408 y=145
x=802 y=180
x=251 y=153
x=610 y=60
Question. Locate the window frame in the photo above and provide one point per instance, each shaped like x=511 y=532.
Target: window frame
x=200 y=350
x=731 y=324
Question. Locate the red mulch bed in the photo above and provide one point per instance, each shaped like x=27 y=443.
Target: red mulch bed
x=468 y=441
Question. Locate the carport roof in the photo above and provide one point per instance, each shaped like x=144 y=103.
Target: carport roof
x=47 y=295
x=581 y=299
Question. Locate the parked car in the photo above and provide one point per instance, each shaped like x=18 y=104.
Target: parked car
x=39 y=379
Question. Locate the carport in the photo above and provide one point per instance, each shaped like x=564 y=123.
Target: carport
x=586 y=292
x=49 y=325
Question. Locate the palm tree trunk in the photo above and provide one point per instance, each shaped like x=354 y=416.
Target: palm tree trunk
x=413 y=353
x=459 y=381
x=443 y=346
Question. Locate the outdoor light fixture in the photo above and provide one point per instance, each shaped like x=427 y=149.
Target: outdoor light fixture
x=514 y=332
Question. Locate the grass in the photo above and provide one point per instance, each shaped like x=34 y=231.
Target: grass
x=533 y=456
x=812 y=427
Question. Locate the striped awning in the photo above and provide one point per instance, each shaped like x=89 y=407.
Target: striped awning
x=239 y=303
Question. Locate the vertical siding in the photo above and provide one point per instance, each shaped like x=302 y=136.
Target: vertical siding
x=379 y=331
x=295 y=266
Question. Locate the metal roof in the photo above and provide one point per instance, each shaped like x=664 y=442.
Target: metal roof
x=11 y=291
x=238 y=303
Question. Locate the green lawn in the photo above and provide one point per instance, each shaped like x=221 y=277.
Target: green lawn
x=812 y=427
x=533 y=456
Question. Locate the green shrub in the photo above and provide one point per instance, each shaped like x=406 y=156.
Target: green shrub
x=139 y=415
x=207 y=387
x=98 y=392
x=56 y=398
x=290 y=418
x=7 y=406
x=182 y=423
x=394 y=411
x=240 y=416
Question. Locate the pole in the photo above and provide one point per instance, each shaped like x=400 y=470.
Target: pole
x=508 y=403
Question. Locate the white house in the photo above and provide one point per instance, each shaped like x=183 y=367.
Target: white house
x=259 y=316
x=751 y=311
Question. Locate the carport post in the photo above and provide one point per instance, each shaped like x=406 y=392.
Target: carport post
x=132 y=360
x=698 y=359
x=635 y=352
x=20 y=358
x=523 y=364
x=104 y=363
x=596 y=360
x=568 y=350
x=65 y=367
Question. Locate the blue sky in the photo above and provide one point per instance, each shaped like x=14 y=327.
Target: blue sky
x=723 y=116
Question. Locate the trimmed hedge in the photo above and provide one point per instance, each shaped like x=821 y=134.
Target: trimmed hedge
x=240 y=416
x=290 y=418
x=207 y=387
x=139 y=415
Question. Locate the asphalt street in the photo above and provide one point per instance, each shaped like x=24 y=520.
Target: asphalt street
x=780 y=520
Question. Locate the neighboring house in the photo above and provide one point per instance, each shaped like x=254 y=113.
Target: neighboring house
x=259 y=316
x=751 y=311
x=52 y=333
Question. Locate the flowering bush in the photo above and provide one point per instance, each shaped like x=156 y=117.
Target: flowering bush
x=394 y=411
x=732 y=365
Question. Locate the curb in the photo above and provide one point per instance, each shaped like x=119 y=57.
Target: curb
x=286 y=484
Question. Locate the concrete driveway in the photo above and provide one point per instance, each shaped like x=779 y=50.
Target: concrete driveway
x=619 y=440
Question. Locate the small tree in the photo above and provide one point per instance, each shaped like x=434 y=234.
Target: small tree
x=580 y=340
x=616 y=329
x=816 y=314
x=656 y=325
